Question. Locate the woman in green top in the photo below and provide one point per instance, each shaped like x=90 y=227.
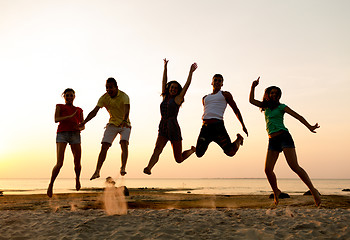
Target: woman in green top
x=280 y=139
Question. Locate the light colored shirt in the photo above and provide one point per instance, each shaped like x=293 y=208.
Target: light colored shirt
x=115 y=107
x=214 y=106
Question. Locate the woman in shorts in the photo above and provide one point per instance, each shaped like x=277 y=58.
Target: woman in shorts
x=69 y=117
x=280 y=138
x=169 y=129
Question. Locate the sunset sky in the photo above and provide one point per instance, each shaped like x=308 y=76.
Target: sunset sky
x=47 y=46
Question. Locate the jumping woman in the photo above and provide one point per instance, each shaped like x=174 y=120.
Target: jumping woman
x=169 y=129
x=280 y=138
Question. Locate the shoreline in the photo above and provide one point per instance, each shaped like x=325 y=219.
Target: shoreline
x=165 y=199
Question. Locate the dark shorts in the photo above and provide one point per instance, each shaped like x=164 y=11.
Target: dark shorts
x=213 y=132
x=68 y=137
x=283 y=140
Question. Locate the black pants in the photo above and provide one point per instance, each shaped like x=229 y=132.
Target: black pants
x=214 y=132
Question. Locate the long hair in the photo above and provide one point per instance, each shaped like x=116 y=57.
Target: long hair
x=267 y=102
x=165 y=94
x=167 y=87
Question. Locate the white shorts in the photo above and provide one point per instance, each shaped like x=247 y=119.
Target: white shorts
x=112 y=131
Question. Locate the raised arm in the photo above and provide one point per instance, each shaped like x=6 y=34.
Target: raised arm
x=179 y=98
x=58 y=117
x=90 y=116
x=165 y=74
x=235 y=109
x=252 y=99
x=294 y=114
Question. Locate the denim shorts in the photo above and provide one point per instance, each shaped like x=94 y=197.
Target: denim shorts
x=112 y=131
x=68 y=137
x=283 y=140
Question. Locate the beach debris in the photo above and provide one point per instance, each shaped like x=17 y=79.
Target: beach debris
x=281 y=196
x=1 y=193
x=346 y=190
x=308 y=193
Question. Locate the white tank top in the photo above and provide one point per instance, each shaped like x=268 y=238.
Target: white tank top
x=214 y=106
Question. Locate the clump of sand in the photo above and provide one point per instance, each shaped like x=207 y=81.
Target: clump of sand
x=114 y=198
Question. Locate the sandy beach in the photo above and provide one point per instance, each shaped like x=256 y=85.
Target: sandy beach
x=158 y=214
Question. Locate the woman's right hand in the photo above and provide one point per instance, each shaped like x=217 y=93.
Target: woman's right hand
x=256 y=82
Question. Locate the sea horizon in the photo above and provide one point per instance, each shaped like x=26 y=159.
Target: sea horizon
x=224 y=186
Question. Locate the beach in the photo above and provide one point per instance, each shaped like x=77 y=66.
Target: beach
x=162 y=214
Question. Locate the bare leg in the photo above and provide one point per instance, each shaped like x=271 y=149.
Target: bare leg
x=60 y=149
x=178 y=154
x=101 y=158
x=235 y=146
x=271 y=159
x=124 y=156
x=160 y=144
x=76 y=150
x=292 y=161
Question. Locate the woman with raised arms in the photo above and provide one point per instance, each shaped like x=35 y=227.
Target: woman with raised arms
x=169 y=129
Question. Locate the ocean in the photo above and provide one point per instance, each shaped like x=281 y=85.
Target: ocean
x=223 y=186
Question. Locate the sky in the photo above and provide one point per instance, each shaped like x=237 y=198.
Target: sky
x=48 y=46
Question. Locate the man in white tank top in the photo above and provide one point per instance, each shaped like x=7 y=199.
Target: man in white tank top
x=213 y=128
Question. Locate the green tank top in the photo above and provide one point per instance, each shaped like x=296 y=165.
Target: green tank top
x=274 y=119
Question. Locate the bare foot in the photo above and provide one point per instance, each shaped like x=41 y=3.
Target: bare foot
x=276 y=194
x=147 y=171
x=193 y=148
x=96 y=175
x=240 y=138
x=317 y=198
x=49 y=191
x=77 y=184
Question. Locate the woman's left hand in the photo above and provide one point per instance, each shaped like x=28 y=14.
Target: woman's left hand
x=313 y=128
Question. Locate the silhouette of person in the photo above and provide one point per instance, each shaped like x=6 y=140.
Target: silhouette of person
x=169 y=129
x=69 y=117
x=280 y=138
x=213 y=128
x=118 y=106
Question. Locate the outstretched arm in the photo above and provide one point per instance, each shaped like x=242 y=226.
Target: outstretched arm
x=301 y=119
x=90 y=116
x=252 y=99
x=58 y=117
x=179 y=99
x=235 y=109
x=165 y=74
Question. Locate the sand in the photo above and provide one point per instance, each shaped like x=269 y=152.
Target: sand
x=156 y=214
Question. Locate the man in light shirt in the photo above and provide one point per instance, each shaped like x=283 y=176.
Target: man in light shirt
x=118 y=106
x=213 y=128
